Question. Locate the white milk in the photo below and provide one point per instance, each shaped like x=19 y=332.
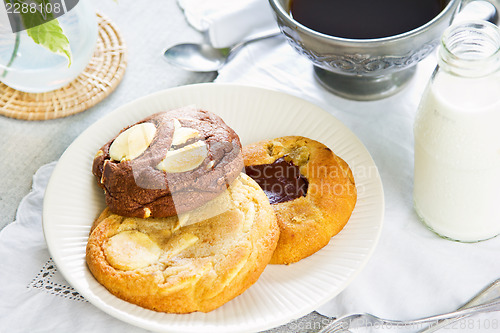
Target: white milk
x=457 y=155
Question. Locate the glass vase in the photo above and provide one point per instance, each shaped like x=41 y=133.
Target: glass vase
x=29 y=67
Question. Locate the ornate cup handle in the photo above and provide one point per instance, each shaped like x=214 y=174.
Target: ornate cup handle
x=477 y=9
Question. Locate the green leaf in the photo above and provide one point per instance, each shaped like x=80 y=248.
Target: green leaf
x=51 y=36
x=43 y=28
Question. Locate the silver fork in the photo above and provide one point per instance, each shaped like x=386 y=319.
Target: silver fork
x=343 y=324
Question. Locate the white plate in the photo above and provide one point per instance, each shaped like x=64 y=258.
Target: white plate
x=283 y=293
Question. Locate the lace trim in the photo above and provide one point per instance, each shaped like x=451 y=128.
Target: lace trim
x=44 y=281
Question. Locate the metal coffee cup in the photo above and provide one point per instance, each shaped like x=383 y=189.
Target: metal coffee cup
x=369 y=69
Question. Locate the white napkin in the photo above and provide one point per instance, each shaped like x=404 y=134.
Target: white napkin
x=413 y=272
x=227 y=22
x=34 y=297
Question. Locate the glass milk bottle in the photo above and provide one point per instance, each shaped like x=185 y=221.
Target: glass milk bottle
x=457 y=137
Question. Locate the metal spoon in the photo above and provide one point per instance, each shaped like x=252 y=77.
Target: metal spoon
x=205 y=58
x=478 y=10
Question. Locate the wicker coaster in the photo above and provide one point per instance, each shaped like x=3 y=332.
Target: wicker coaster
x=101 y=76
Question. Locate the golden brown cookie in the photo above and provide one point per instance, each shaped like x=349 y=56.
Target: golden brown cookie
x=179 y=264
x=168 y=163
x=311 y=190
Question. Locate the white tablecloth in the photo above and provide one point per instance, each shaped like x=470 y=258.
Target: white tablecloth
x=412 y=273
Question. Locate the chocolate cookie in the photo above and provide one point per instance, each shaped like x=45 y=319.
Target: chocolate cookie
x=162 y=265
x=168 y=163
x=311 y=190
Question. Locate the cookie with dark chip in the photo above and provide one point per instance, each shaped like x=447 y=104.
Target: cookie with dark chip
x=168 y=163
x=311 y=189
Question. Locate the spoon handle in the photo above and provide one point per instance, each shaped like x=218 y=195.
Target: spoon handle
x=269 y=33
x=477 y=10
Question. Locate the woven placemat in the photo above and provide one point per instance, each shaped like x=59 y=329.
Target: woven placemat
x=102 y=75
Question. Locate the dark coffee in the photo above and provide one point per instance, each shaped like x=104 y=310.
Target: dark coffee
x=365 y=19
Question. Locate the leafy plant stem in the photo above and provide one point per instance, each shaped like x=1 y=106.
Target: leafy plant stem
x=16 y=46
x=14 y=54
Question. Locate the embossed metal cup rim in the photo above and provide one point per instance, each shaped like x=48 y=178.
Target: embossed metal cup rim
x=364 y=69
x=285 y=15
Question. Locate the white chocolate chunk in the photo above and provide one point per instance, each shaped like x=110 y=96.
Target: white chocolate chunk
x=183 y=219
x=182 y=134
x=177 y=245
x=130 y=250
x=184 y=159
x=219 y=205
x=210 y=165
x=132 y=142
x=177 y=124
